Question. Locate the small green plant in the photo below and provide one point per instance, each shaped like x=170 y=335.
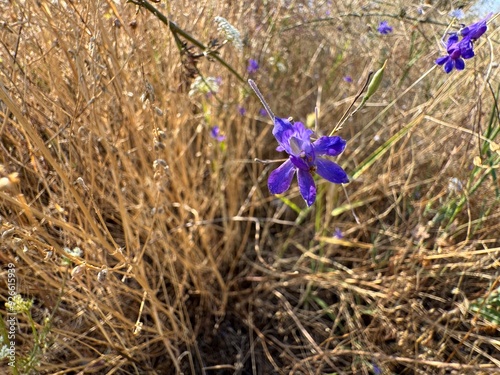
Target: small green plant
x=488 y=308
x=21 y=307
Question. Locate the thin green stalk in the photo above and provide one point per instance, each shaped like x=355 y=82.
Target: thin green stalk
x=379 y=152
x=490 y=134
x=3 y=332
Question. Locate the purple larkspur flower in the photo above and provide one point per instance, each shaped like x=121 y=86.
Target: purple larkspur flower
x=263 y=112
x=253 y=66
x=242 y=110
x=458 y=50
x=338 y=234
x=215 y=134
x=348 y=79
x=384 y=28
x=305 y=159
x=476 y=30
x=456 y=54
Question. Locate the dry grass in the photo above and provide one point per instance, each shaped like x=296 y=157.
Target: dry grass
x=206 y=272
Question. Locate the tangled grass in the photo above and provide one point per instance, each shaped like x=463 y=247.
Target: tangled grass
x=148 y=247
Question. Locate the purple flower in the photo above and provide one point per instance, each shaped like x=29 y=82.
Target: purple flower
x=384 y=28
x=474 y=31
x=215 y=134
x=457 y=13
x=305 y=159
x=242 y=110
x=338 y=234
x=253 y=66
x=458 y=50
x=348 y=79
x=456 y=54
x=263 y=112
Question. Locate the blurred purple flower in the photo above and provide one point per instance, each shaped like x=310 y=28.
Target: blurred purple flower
x=348 y=79
x=242 y=110
x=215 y=134
x=384 y=28
x=457 y=13
x=304 y=158
x=263 y=112
x=338 y=234
x=253 y=66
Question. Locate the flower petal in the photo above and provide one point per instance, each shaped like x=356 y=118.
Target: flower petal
x=448 y=67
x=295 y=145
x=331 y=171
x=466 y=48
x=476 y=30
x=299 y=163
x=307 y=187
x=480 y=30
x=459 y=64
x=442 y=60
x=280 y=179
x=331 y=146
x=468 y=54
x=282 y=131
x=451 y=41
x=302 y=132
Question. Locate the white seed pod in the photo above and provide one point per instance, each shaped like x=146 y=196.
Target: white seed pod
x=78 y=271
x=101 y=276
x=160 y=163
x=8 y=233
x=138 y=328
x=81 y=182
x=8 y=181
x=161 y=134
x=159 y=146
x=455 y=185
x=158 y=111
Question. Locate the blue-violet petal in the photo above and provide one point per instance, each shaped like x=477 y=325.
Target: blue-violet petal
x=307 y=187
x=280 y=179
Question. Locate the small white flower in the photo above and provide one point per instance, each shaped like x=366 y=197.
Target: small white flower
x=230 y=32
x=76 y=252
x=205 y=86
x=455 y=185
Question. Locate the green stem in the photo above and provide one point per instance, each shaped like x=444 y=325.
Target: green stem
x=176 y=30
x=5 y=336
x=36 y=346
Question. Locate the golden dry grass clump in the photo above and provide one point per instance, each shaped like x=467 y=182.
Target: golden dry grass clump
x=149 y=247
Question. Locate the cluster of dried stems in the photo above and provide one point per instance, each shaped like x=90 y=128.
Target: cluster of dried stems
x=186 y=263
